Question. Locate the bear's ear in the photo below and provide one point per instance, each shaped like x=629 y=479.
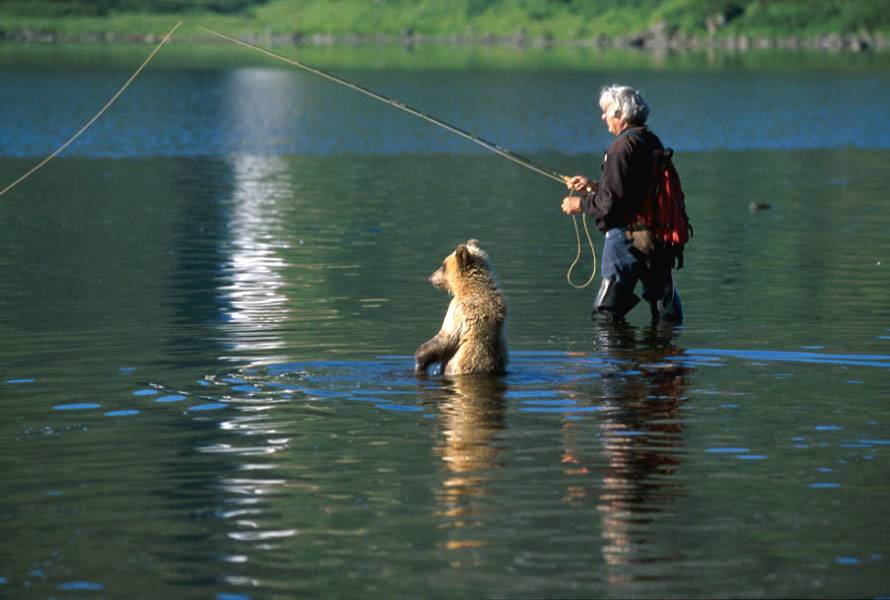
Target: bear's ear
x=462 y=256
x=473 y=247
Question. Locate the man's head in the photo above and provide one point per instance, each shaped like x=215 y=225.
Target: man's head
x=622 y=107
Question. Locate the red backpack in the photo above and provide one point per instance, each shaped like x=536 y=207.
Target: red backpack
x=664 y=207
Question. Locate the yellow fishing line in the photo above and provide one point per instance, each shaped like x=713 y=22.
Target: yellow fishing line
x=102 y=110
x=520 y=160
x=578 y=253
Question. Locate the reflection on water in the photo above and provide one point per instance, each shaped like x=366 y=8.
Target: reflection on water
x=282 y=111
x=618 y=414
x=471 y=412
x=641 y=428
x=613 y=461
x=743 y=455
x=319 y=474
x=257 y=306
x=253 y=110
x=627 y=475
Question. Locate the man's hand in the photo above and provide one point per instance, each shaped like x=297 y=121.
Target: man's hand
x=571 y=205
x=579 y=183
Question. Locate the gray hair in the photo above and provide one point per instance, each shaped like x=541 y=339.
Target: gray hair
x=625 y=103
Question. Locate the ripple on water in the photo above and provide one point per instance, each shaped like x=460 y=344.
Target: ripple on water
x=828 y=428
x=122 y=413
x=727 y=450
x=535 y=395
x=626 y=433
x=561 y=410
x=875 y=442
x=170 y=398
x=769 y=356
x=76 y=406
x=88 y=586
x=565 y=402
x=206 y=407
x=399 y=407
x=246 y=389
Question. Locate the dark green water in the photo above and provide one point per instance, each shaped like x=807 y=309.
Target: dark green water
x=208 y=310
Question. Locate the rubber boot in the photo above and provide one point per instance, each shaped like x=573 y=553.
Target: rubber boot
x=669 y=310
x=613 y=301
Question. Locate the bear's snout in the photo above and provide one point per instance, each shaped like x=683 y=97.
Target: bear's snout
x=438 y=279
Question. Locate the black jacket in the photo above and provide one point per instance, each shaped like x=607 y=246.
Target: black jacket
x=626 y=177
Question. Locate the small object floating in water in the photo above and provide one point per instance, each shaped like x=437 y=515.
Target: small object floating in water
x=758 y=206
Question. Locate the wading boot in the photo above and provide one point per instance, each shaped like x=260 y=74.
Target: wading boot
x=668 y=310
x=613 y=301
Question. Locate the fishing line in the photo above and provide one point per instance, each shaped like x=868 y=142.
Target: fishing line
x=508 y=154
x=578 y=254
x=401 y=106
x=102 y=110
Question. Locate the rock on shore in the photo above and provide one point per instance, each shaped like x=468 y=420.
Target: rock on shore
x=656 y=39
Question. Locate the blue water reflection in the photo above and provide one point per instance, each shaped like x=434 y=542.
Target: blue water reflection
x=263 y=111
x=76 y=406
x=208 y=384
x=617 y=424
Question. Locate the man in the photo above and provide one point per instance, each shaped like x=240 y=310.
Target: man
x=630 y=253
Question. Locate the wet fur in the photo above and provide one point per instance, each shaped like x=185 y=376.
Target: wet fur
x=472 y=337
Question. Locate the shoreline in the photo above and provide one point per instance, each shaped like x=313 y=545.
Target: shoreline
x=654 y=40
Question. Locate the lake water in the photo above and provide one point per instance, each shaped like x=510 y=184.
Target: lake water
x=211 y=301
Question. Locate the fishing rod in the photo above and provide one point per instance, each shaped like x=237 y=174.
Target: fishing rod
x=508 y=154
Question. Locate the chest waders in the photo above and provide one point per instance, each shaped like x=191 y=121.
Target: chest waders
x=623 y=267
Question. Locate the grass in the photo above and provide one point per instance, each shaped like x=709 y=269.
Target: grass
x=557 y=20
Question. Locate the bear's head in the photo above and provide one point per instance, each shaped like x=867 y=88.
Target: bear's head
x=468 y=263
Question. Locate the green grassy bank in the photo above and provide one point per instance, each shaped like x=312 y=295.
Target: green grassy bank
x=858 y=24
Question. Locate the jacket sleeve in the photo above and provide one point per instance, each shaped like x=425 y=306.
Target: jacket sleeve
x=611 y=188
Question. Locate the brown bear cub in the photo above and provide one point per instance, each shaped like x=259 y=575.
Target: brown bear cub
x=472 y=336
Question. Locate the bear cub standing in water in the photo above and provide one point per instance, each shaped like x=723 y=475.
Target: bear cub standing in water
x=472 y=336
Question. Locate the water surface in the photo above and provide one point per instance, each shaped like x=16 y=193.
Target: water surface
x=210 y=306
